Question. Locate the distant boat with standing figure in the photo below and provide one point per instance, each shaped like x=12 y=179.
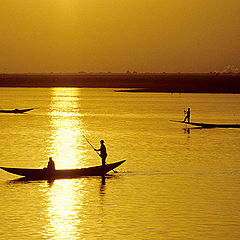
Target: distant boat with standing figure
x=210 y=125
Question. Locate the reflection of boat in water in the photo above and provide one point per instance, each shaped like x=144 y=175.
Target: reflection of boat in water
x=210 y=125
x=16 y=110
x=44 y=174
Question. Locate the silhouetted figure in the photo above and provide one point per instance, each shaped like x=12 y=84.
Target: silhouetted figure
x=51 y=165
x=187 y=117
x=103 y=152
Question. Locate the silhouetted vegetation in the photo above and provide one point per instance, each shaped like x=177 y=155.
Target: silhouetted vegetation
x=149 y=82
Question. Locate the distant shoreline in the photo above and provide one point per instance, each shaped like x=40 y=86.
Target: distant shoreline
x=164 y=82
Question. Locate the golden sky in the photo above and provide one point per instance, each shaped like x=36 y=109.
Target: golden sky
x=119 y=35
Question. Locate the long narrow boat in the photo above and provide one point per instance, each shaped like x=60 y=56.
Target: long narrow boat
x=210 y=125
x=45 y=174
x=16 y=110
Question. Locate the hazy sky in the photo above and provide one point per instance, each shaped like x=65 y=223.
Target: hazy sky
x=119 y=35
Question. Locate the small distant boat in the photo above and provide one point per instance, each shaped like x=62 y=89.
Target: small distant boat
x=16 y=110
x=210 y=125
x=44 y=174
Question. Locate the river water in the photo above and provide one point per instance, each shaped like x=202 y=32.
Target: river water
x=178 y=182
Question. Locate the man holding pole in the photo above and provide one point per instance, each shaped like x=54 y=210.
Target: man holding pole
x=187 y=117
x=103 y=152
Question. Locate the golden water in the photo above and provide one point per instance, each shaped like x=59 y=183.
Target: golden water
x=177 y=182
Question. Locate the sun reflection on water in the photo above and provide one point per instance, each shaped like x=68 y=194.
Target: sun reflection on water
x=65 y=201
x=67 y=128
x=64 y=197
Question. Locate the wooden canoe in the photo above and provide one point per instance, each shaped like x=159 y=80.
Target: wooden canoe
x=45 y=174
x=210 y=125
x=16 y=110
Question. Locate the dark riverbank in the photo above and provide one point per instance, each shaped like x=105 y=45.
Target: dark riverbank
x=184 y=83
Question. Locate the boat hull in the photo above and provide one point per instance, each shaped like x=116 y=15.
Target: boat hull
x=16 y=110
x=210 y=125
x=45 y=174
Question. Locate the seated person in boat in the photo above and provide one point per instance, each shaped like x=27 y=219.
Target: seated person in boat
x=51 y=165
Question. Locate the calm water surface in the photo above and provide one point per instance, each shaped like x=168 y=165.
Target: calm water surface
x=177 y=182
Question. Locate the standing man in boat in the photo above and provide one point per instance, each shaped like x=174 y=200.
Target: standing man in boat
x=103 y=152
x=187 y=117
